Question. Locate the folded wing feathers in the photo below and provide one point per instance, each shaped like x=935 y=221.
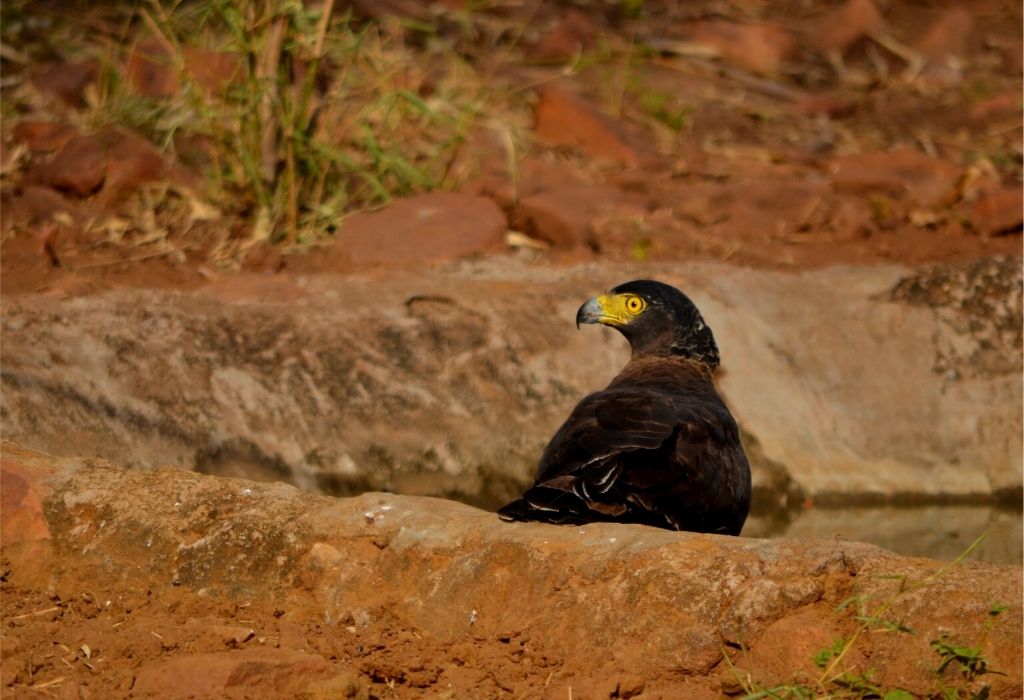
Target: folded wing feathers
x=637 y=455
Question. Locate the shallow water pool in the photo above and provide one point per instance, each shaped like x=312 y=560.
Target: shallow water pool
x=938 y=532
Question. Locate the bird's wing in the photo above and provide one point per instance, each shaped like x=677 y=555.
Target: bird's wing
x=703 y=484
x=636 y=455
x=604 y=426
x=589 y=453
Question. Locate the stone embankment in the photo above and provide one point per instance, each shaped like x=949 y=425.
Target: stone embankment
x=173 y=584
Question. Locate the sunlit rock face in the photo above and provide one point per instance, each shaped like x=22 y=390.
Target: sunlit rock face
x=872 y=383
x=216 y=574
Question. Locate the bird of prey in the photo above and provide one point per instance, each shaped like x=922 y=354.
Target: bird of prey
x=657 y=446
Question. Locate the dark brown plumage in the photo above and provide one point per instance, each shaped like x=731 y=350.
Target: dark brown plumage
x=657 y=446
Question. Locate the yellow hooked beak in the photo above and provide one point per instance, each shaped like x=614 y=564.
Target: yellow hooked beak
x=608 y=309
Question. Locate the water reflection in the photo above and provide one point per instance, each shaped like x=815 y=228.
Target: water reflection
x=939 y=532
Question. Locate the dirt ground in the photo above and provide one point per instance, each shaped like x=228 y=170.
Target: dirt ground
x=152 y=588
x=777 y=140
x=777 y=135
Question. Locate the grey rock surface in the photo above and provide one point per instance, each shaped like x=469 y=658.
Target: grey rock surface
x=848 y=383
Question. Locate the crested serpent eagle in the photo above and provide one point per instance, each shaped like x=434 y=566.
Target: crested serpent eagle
x=657 y=446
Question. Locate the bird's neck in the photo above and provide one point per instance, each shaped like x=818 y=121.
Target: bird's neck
x=701 y=349
x=659 y=367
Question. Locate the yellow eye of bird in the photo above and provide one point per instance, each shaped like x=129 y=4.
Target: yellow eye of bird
x=634 y=305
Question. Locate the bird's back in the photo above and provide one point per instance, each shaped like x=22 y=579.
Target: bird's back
x=658 y=446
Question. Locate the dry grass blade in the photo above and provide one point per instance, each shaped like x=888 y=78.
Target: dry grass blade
x=37 y=612
x=266 y=77
x=47 y=684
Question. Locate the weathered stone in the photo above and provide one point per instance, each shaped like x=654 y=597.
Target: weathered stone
x=116 y=159
x=78 y=168
x=131 y=162
x=149 y=70
x=22 y=491
x=152 y=71
x=68 y=81
x=341 y=687
x=254 y=672
x=38 y=204
x=949 y=35
x=799 y=636
x=43 y=136
x=630 y=607
x=566 y=216
x=758 y=46
x=1000 y=212
x=533 y=174
x=566 y=119
x=925 y=181
x=428 y=228
x=946 y=45
x=451 y=382
x=981 y=302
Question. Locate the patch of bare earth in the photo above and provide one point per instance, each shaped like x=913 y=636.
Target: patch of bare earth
x=784 y=136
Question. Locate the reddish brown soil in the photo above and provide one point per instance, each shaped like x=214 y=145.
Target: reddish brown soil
x=762 y=172
x=756 y=177
x=113 y=647
x=170 y=584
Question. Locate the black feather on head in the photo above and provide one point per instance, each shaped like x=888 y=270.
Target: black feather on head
x=671 y=324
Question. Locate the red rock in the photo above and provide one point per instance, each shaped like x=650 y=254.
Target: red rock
x=573 y=35
x=78 y=168
x=482 y=165
x=424 y=229
x=68 y=81
x=212 y=70
x=565 y=216
x=43 y=136
x=258 y=672
x=151 y=70
x=131 y=162
x=926 y=181
x=949 y=35
x=432 y=584
x=346 y=686
x=39 y=204
x=758 y=46
x=117 y=159
x=565 y=119
x=1000 y=212
x=806 y=632
x=22 y=514
x=945 y=45
x=24 y=530
x=845 y=26
x=533 y=174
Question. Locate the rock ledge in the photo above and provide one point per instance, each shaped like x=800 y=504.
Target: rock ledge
x=344 y=597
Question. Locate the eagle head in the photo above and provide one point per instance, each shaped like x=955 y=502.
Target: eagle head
x=656 y=318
